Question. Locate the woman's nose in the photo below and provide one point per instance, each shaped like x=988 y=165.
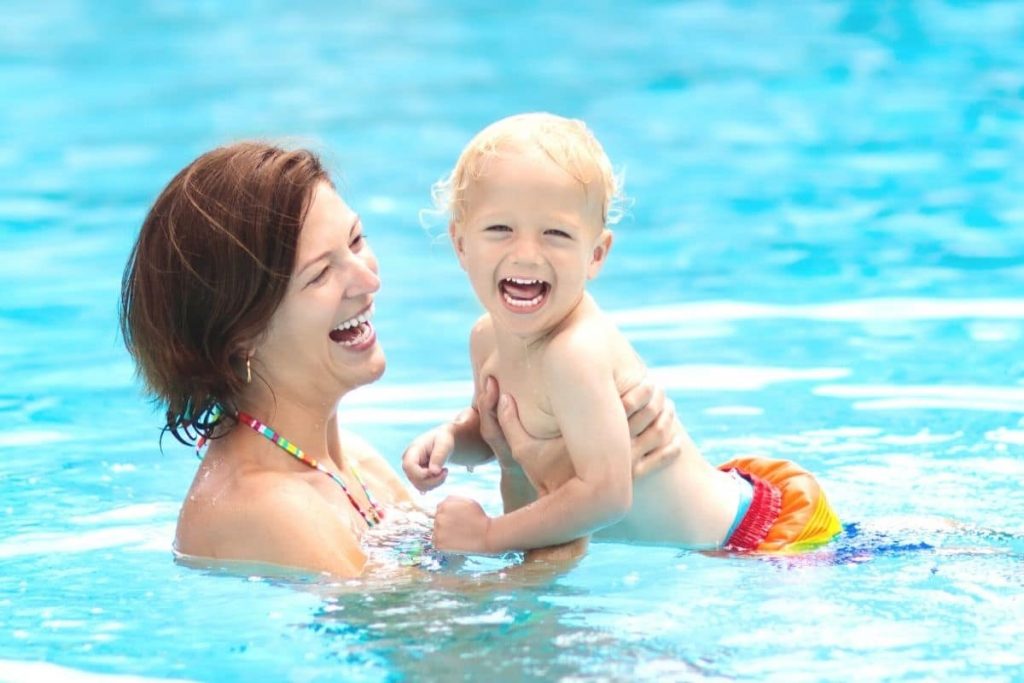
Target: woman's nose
x=363 y=278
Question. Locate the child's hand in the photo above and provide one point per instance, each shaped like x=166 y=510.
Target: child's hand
x=461 y=525
x=424 y=459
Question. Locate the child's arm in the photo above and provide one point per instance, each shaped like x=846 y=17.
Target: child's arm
x=581 y=388
x=656 y=438
x=459 y=440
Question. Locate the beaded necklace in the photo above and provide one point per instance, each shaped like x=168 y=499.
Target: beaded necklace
x=372 y=517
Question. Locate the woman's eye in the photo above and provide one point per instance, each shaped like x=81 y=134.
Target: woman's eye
x=320 y=276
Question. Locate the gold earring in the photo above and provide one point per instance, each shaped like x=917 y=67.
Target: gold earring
x=248 y=369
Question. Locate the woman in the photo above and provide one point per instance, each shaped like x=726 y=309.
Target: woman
x=247 y=304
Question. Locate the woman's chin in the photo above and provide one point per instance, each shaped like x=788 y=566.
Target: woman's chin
x=377 y=366
x=369 y=370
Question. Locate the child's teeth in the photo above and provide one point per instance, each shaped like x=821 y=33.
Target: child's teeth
x=524 y=304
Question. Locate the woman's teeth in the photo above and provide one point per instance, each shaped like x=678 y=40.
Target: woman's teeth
x=355 y=330
x=358 y=320
x=363 y=333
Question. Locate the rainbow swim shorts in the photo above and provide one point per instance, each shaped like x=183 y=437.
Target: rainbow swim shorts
x=788 y=511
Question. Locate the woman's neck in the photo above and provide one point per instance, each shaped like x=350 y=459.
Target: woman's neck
x=313 y=427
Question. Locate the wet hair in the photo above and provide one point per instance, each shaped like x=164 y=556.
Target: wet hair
x=211 y=265
x=567 y=142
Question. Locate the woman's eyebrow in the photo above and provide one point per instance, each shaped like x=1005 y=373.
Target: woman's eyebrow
x=312 y=261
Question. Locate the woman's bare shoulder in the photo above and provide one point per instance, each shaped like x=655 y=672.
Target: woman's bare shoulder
x=268 y=517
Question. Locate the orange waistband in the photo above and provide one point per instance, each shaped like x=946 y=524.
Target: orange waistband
x=789 y=510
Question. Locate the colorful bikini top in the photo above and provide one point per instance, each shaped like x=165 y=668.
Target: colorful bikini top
x=372 y=516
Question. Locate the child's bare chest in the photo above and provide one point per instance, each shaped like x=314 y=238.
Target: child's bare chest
x=521 y=378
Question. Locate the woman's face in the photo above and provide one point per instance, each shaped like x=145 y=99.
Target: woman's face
x=320 y=341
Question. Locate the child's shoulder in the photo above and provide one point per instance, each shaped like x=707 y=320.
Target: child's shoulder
x=588 y=326
x=482 y=333
x=483 y=328
x=587 y=336
x=589 y=343
x=482 y=338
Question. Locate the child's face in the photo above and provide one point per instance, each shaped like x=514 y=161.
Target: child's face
x=530 y=238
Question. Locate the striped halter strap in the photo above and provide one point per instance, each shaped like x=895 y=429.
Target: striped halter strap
x=372 y=516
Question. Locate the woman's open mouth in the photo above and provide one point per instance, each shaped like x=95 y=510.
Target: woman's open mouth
x=523 y=295
x=355 y=333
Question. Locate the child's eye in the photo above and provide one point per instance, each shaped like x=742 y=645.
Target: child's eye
x=497 y=228
x=357 y=242
x=555 y=232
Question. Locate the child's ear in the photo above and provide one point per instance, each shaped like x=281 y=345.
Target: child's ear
x=460 y=252
x=601 y=248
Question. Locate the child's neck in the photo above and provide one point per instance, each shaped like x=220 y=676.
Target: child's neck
x=516 y=346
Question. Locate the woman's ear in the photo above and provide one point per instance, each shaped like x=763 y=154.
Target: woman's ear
x=600 y=254
x=456 y=238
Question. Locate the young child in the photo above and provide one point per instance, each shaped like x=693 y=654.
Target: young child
x=529 y=202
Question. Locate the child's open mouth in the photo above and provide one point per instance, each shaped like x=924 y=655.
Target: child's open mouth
x=355 y=333
x=523 y=295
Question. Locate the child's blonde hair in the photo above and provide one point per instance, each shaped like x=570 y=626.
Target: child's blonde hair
x=567 y=142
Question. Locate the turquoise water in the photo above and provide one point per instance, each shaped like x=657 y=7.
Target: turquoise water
x=824 y=261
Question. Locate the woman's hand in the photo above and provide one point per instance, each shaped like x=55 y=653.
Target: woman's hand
x=656 y=438
x=490 y=426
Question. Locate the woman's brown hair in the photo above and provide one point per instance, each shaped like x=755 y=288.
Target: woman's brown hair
x=210 y=266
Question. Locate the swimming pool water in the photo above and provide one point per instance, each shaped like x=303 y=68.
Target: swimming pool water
x=824 y=261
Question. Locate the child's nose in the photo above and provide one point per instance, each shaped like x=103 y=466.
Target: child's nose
x=527 y=251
